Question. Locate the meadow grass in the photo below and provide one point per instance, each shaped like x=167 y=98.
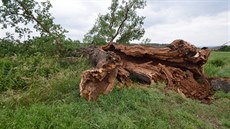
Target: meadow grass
x=50 y=99
x=218 y=64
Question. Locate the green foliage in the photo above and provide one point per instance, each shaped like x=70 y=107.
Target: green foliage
x=15 y=13
x=121 y=23
x=126 y=108
x=43 y=79
x=71 y=48
x=7 y=48
x=17 y=72
x=42 y=45
x=218 y=64
x=37 y=45
x=49 y=98
x=10 y=78
x=225 y=48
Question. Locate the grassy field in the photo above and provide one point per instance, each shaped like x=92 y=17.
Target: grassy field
x=42 y=92
x=218 y=64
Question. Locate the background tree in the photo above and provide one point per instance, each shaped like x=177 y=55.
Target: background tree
x=121 y=24
x=19 y=14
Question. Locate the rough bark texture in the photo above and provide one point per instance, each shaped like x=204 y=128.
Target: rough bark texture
x=180 y=66
x=100 y=80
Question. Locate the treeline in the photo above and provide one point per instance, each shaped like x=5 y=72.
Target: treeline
x=224 y=48
x=40 y=45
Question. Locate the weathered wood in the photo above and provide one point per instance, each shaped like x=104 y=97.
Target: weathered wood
x=99 y=80
x=180 y=66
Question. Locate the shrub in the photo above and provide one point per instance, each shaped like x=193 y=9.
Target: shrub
x=9 y=77
x=7 y=48
x=43 y=45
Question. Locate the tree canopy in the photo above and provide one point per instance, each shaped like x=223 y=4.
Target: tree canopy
x=18 y=14
x=120 y=24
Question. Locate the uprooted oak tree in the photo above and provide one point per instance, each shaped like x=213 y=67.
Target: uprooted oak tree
x=179 y=65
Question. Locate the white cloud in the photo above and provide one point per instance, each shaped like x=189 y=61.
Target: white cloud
x=201 y=31
x=78 y=16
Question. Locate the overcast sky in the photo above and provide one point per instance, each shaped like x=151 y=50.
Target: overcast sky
x=201 y=22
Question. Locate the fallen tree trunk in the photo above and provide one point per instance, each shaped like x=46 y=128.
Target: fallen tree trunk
x=180 y=66
x=101 y=78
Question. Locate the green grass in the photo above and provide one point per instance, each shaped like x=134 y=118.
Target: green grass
x=49 y=99
x=218 y=64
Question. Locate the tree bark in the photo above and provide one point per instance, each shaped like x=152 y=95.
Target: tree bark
x=180 y=66
x=99 y=80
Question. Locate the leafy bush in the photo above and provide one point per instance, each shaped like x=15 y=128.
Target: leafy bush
x=42 y=45
x=20 y=72
x=7 y=48
x=10 y=78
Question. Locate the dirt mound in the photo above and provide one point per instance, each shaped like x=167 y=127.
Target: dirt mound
x=180 y=66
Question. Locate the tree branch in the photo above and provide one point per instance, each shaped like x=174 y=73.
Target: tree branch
x=33 y=17
x=122 y=23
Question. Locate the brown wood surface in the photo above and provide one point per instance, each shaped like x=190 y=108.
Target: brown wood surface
x=180 y=66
